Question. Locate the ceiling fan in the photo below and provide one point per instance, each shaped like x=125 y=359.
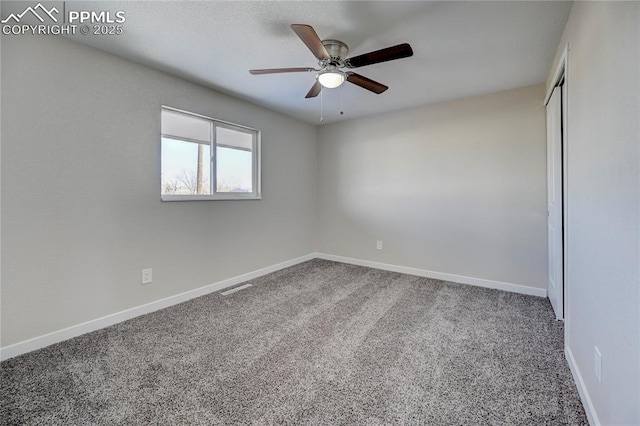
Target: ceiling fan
x=331 y=60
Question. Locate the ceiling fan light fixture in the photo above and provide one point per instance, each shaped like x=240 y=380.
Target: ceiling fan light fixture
x=331 y=77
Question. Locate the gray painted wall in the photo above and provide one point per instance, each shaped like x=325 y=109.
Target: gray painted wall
x=604 y=189
x=81 y=209
x=457 y=188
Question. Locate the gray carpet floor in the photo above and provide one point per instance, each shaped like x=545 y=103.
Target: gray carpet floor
x=318 y=343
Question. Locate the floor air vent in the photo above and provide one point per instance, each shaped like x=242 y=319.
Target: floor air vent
x=233 y=290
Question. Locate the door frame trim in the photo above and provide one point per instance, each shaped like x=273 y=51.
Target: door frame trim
x=559 y=73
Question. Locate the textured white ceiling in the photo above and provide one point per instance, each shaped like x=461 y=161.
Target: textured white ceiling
x=461 y=49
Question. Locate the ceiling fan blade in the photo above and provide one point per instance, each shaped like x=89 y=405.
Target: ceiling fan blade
x=315 y=90
x=309 y=37
x=389 y=54
x=366 y=83
x=280 y=70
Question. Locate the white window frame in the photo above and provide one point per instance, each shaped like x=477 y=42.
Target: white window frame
x=256 y=160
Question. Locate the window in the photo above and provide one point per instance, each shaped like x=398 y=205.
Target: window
x=207 y=159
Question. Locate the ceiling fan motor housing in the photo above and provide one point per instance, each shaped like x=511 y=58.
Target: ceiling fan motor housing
x=336 y=49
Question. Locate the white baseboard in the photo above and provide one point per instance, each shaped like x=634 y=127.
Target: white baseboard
x=589 y=409
x=479 y=282
x=106 y=321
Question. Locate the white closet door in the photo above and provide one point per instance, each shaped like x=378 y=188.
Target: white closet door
x=554 y=202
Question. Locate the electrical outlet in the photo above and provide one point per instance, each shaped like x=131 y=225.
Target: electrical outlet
x=379 y=245
x=597 y=363
x=146 y=276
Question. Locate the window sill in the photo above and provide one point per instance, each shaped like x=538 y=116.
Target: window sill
x=225 y=197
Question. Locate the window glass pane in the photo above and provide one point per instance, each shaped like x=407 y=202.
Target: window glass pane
x=234 y=170
x=234 y=160
x=186 y=167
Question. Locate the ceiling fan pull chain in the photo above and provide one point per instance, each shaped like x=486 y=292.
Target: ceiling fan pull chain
x=321 y=116
x=341 y=109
